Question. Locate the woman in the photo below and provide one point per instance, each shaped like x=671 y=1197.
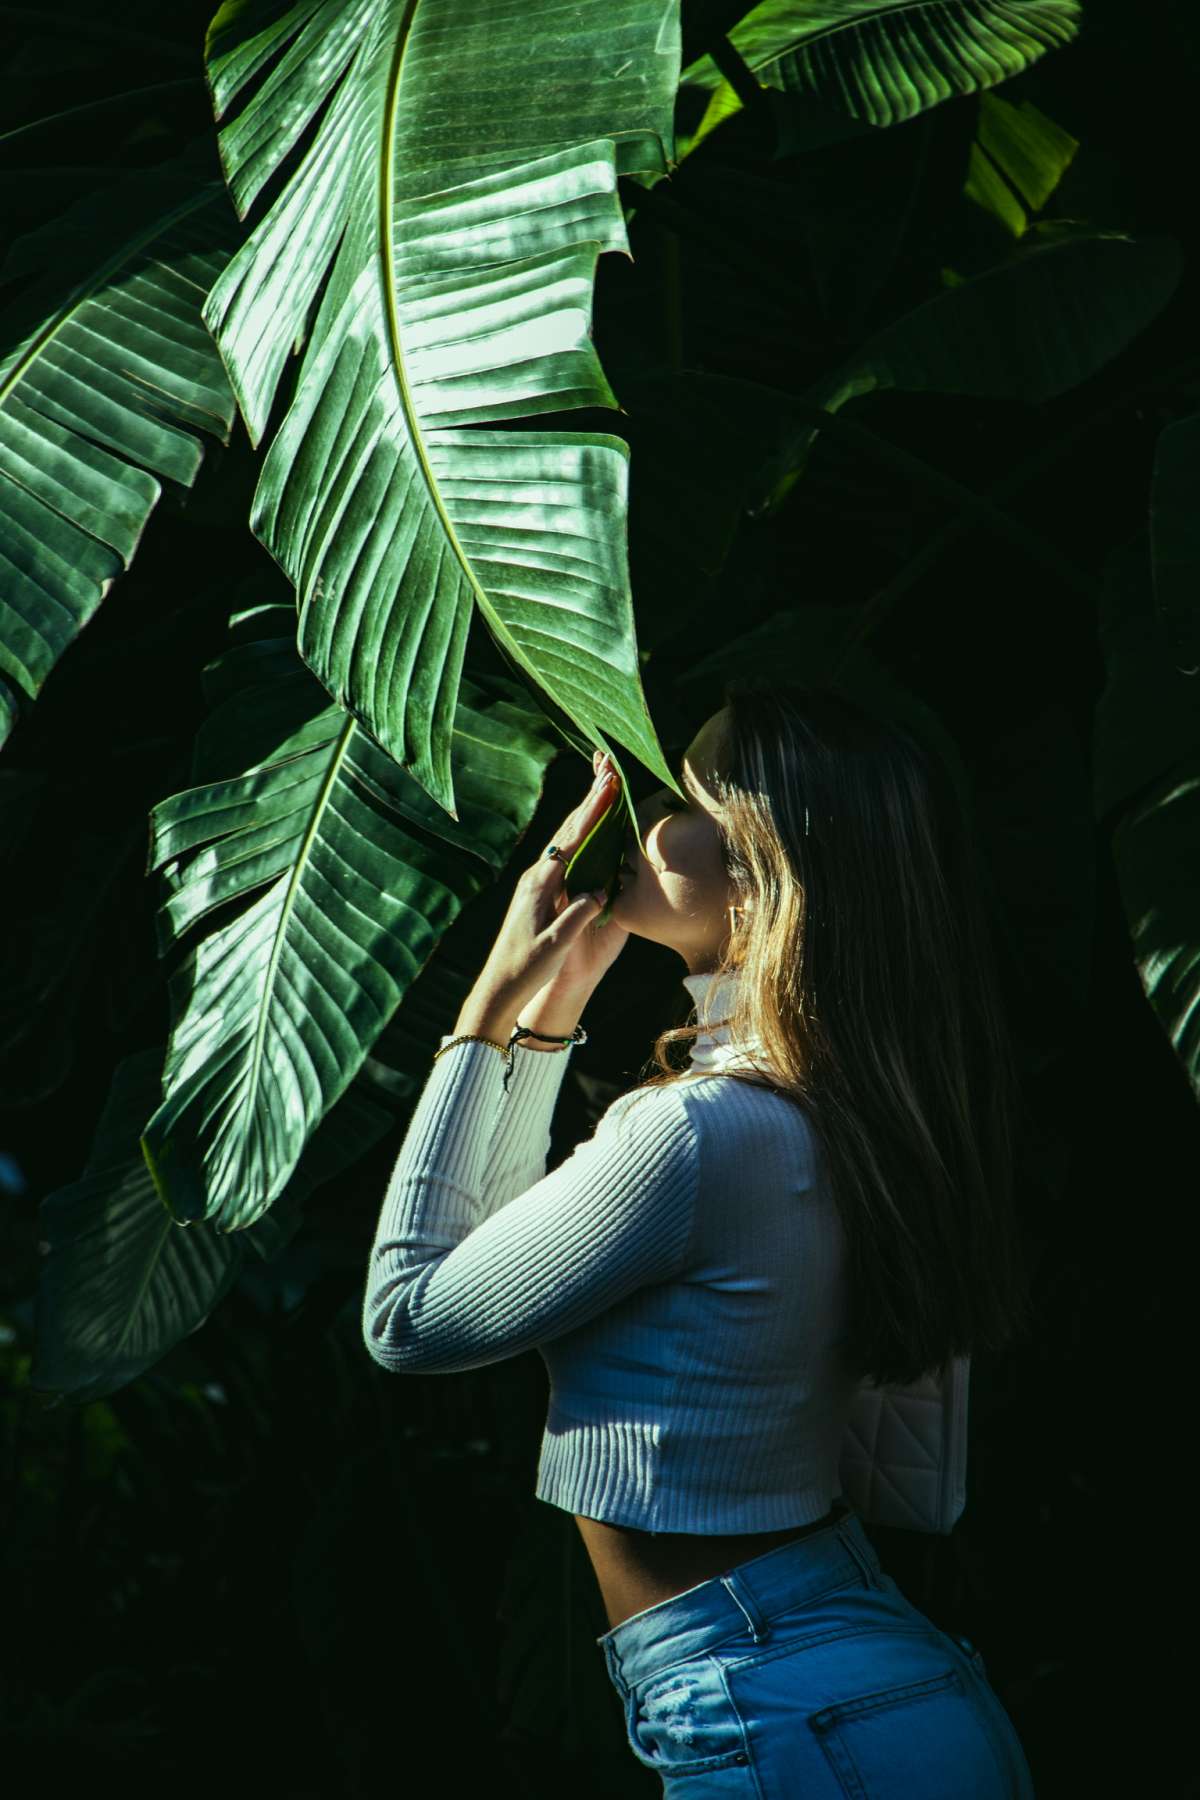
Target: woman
x=821 y=1194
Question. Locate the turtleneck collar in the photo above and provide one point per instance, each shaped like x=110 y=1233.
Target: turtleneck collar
x=714 y=996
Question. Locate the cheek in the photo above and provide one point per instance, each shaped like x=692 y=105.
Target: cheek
x=694 y=856
x=683 y=853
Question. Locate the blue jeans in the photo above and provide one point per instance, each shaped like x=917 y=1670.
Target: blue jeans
x=805 y=1674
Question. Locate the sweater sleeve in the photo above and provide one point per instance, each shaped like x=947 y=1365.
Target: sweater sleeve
x=520 y=1135
x=454 y=1283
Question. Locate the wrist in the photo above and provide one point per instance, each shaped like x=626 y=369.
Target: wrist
x=555 y=1010
x=499 y=1024
x=475 y=1021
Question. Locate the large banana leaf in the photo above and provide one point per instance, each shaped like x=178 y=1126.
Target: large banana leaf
x=106 y=375
x=121 y=1283
x=1146 y=777
x=881 y=63
x=1037 y=324
x=459 y=186
x=1029 y=329
x=348 y=874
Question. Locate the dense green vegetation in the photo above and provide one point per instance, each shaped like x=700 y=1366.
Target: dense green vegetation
x=396 y=402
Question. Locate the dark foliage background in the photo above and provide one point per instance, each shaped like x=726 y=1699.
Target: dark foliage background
x=266 y=1563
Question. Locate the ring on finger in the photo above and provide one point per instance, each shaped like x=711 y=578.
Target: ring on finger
x=559 y=855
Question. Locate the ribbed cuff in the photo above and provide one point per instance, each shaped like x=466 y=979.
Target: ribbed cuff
x=529 y=1099
x=519 y=1129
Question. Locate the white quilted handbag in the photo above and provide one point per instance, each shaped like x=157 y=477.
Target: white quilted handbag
x=904 y=1453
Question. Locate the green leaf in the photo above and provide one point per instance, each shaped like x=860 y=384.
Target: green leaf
x=106 y=375
x=883 y=63
x=1027 y=330
x=1017 y=160
x=986 y=186
x=1175 y=539
x=348 y=874
x=460 y=184
x=723 y=104
x=594 y=864
x=1039 y=323
x=347 y=1132
x=1146 y=776
x=120 y=1284
x=1156 y=852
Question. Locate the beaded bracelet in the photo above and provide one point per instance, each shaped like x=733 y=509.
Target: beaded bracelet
x=469 y=1037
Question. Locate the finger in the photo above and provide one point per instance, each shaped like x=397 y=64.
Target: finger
x=577 y=824
x=572 y=919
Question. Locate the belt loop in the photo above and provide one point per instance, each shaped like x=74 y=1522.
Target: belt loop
x=612 y=1662
x=845 y=1532
x=732 y=1583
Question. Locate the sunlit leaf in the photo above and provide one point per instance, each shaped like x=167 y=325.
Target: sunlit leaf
x=460 y=184
x=883 y=61
x=345 y=874
x=1017 y=160
x=107 y=375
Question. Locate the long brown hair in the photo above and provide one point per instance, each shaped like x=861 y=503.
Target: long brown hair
x=868 y=978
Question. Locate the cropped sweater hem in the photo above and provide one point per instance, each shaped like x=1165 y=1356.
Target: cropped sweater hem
x=580 y=1471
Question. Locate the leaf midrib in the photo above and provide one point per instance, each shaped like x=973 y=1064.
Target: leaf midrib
x=391 y=314
x=289 y=900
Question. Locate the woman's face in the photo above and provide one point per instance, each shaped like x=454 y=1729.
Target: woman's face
x=678 y=893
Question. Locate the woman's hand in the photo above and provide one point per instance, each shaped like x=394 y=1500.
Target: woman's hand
x=546 y=950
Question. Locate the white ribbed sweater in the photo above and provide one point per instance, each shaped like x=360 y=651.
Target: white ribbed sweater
x=681 y=1274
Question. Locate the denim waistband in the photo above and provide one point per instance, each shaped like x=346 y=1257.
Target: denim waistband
x=746 y=1597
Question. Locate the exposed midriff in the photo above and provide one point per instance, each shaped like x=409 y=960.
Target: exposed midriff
x=636 y=1569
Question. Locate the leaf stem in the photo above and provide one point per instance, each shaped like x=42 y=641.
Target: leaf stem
x=740 y=76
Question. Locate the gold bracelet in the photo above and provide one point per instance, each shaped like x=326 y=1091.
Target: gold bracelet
x=469 y=1037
